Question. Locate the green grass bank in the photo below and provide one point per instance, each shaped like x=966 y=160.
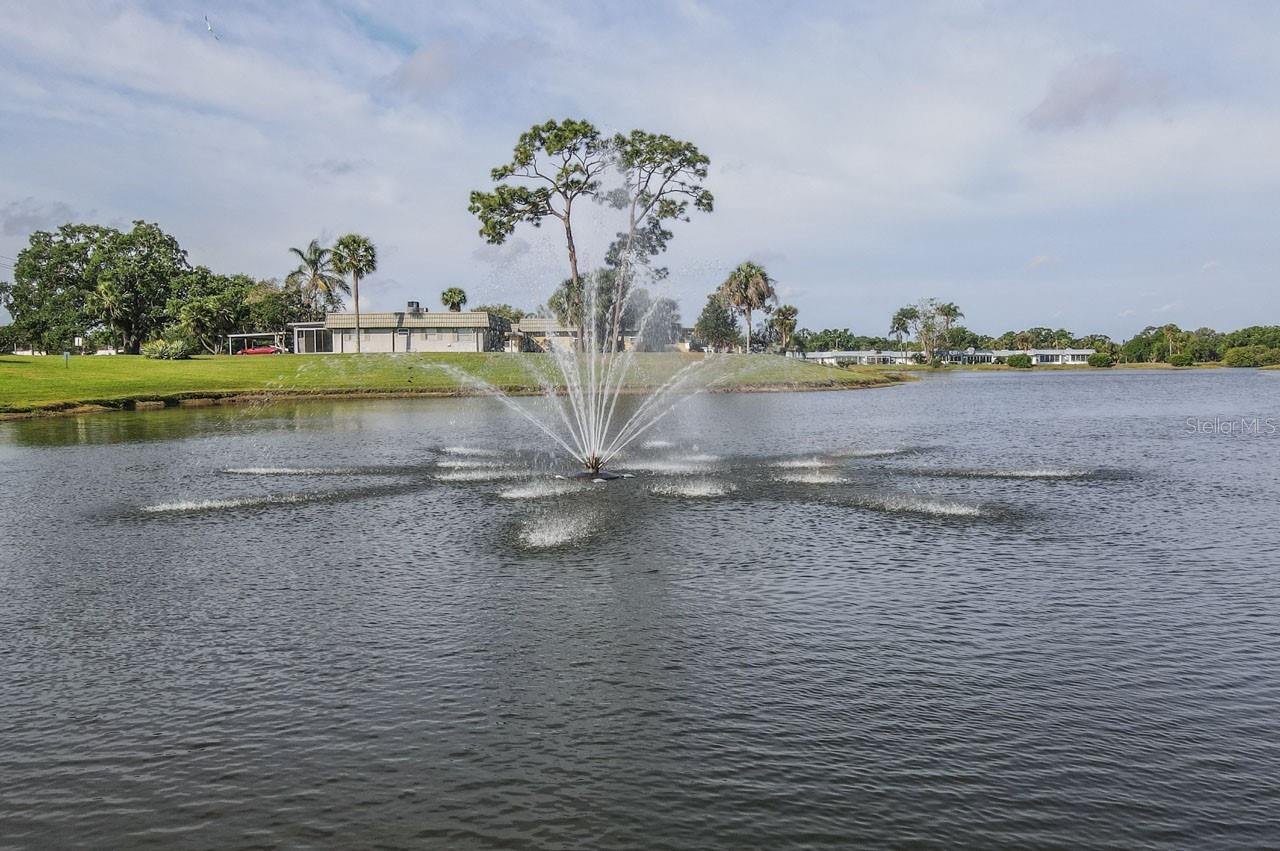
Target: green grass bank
x=32 y=385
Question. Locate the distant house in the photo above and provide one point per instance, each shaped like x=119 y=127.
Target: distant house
x=1069 y=357
x=536 y=334
x=410 y=330
x=865 y=357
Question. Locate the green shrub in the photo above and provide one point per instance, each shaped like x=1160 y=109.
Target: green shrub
x=166 y=349
x=1244 y=356
x=1019 y=361
x=1101 y=360
x=1181 y=359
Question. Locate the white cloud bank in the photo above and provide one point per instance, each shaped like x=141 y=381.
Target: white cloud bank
x=872 y=156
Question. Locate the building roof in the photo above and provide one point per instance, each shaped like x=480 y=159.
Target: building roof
x=423 y=319
x=863 y=353
x=541 y=325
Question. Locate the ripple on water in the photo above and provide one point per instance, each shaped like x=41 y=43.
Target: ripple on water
x=484 y=474
x=911 y=504
x=875 y=453
x=467 y=463
x=471 y=450
x=801 y=464
x=540 y=489
x=812 y=478
x=184 y=506
x=696 y=489
x=553 y=531
x=1028 y=473
x=672 y=466
x=290 y=471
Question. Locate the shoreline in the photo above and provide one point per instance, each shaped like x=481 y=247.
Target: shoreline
x=206 y=399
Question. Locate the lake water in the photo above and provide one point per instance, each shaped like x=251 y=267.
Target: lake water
x=983 y=610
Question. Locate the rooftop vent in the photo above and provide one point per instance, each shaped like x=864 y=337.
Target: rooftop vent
x=415 y=307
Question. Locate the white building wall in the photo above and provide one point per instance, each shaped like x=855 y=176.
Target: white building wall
x=388 y=340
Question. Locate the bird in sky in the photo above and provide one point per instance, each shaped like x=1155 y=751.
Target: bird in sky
x=212 y=31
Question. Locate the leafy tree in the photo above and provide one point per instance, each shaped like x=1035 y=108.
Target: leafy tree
x=838 y=339
x=272 y=305
x=53 y=279
x=925 y=321
x=716 y=327
x=654 y=323
x=1254 y=335
x=8 y=339
x=506 y=311
x=748 y=288
x=588 y=307
x=317 y=278
x=1203 y=344
x=210 y=306
x=662 y=180
x=563 y=161
x=961 y=337
x=356 y=256
x=136 y=270
x=1019 y=361
x=453 y=298
x=900 y=324
x=1101 y=360
x=1181 y=359
x=1255 y=355
x=783 y=322
x=948 y=313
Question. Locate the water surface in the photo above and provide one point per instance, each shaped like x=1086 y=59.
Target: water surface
x=982 y=610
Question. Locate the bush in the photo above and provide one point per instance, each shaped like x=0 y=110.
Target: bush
x=167 y=349
x=1181 y=359
x=1251 y=356
x=1101 y=360
x=1019 y=361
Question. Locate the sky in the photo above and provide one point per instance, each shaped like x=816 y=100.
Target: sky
x=1098 y=166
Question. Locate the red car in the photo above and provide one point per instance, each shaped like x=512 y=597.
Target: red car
x=261 y=350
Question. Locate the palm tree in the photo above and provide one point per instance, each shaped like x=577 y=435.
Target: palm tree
x=784 y=322
x=748 y=288
x=453 y=298
x=355 y=255
x=1169 y=330
x=900 y=325
x=315 y=274
x=948 y=312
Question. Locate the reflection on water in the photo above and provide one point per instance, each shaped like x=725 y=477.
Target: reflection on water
x=982 y=610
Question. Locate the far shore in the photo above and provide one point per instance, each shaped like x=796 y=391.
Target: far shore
x=44 y=386
x=1052 y=367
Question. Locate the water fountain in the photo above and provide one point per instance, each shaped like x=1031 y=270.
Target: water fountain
x=582 y=385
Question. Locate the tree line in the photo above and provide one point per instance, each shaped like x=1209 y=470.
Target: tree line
x=931 y=326
x=121 y=288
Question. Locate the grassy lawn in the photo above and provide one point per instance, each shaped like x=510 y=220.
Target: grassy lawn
x=43 y=383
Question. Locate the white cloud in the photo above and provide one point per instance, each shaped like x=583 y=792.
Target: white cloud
x=864 y=153
x=1041 y=260
x=1096 y=89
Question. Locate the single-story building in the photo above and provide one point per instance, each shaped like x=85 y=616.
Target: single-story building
x=410 y=330
x=867 y=357
x=1069 y=357
x=536 y=334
